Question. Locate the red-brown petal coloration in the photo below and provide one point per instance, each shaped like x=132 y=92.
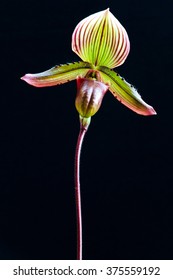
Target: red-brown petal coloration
x=58 y=75
x=100 y=39
x=89 y=97
x=125 y=92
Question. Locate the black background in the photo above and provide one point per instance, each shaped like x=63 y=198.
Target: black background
x=126 y=164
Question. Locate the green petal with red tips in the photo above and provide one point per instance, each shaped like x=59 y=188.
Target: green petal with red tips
x=58 y=75
x=125 y=92
x=100 y=39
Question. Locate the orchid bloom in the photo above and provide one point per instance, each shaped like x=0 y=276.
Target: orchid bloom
x=103 y=44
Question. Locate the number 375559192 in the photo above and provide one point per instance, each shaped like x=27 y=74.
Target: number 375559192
x=112 y=270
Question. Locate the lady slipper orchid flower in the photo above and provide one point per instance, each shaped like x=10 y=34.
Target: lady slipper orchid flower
x=102 y=44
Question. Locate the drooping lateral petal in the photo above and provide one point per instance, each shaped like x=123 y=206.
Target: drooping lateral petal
x=125 y=92
x=101 y=40
x=58 y=74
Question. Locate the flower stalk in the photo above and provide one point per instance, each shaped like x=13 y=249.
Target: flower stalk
x=83 y=128
x=78 y=193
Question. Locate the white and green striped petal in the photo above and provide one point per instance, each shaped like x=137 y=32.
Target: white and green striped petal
x=58 y=75
x=125 y=92
x=100 y=39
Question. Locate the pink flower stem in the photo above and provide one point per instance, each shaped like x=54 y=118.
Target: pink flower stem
x=78 y=192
